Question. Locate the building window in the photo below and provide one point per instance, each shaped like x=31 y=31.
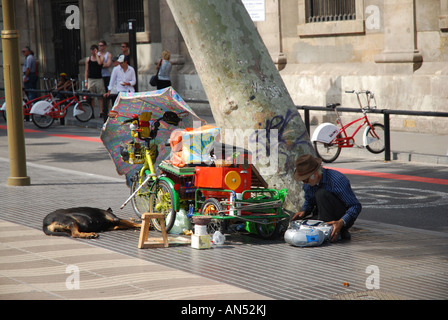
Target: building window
x=330 y=17
x=129 y=9
x=330 y=10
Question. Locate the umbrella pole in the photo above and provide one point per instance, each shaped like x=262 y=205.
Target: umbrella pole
x=138 y=189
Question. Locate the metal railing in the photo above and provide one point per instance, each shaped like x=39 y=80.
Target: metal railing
x=76 y=93
x=385 y=112
x=386 y=117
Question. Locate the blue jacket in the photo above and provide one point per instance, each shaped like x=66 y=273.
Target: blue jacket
x=339 y=185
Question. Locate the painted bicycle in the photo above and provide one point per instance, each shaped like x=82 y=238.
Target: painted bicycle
x=226 y=193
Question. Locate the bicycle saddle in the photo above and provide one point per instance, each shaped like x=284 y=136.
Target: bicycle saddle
x=333 y=105
x=171 y=118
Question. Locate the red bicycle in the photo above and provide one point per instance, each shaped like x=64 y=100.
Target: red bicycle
x=329 y=140
x=43 y=113
x=26 y=104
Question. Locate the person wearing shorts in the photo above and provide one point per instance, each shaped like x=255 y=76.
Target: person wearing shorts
x=93 y=74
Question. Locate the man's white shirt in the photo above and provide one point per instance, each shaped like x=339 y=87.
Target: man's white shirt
x=119 y=76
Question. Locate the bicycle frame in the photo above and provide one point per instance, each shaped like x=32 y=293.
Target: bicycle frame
x=148 y=166
x=149 y=171
x=60 y=113
x=349 y=141
x=56 y=112
x=329 y=139
x=28 y=104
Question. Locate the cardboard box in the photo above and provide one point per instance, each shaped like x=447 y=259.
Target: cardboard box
x=200 y=241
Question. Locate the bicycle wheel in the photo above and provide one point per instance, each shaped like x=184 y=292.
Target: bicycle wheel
x=268 y=230
x=140 y=202
x=42 y=121
x=212 y=207
x=87 y=113
x=328 y=152
x=161 y=200
x=374 y=144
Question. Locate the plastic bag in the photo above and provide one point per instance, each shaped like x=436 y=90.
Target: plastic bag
x=218 y=238
x=181 y=224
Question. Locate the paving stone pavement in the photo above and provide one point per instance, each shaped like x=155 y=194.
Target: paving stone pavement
x=380 y=262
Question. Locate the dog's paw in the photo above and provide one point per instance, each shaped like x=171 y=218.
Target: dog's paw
x=86 y=235
x=93 y=235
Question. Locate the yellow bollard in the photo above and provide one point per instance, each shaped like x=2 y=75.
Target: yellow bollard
x=13 y=97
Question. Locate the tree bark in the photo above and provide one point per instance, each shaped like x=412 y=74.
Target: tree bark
x=243 y=86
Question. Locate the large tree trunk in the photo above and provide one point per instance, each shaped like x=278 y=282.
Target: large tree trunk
x=243 y=86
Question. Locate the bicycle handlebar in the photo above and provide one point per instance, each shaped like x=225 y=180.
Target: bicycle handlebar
x=359 y=92
x=369 y=96
x=168 y=116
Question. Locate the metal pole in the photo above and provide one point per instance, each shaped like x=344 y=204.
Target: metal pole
x=307 y=120
x=133 y=47
x=13 y=97
x=386 y=136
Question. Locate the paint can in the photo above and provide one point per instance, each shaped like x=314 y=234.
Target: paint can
x=200 y=230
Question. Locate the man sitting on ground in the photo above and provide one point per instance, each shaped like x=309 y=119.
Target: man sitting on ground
x=328 y=196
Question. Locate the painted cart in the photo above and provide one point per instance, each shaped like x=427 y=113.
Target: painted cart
x=229 y=197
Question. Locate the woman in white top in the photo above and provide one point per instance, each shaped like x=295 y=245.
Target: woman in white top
x=164 y=70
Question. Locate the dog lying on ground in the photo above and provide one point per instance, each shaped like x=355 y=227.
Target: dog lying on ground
x=83 y=222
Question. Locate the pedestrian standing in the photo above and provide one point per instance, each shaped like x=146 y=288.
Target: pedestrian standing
x=93 y=75
x=123 y=77
x=29 y=72
x=164 y=70
x=125 y=51
x=105 y=72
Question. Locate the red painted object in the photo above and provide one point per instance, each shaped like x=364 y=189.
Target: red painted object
x=236 y=179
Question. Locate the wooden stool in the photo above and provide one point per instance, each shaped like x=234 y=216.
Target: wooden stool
x=144 y=231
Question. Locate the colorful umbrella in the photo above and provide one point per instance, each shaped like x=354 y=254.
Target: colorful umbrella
x=158 y=102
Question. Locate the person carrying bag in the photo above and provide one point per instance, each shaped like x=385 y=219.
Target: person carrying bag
x=155 y=78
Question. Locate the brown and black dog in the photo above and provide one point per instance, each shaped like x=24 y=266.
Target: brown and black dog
x=83 y=222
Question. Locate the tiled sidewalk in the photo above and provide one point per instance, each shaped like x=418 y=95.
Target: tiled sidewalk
x=412 y=263
x=37 y=267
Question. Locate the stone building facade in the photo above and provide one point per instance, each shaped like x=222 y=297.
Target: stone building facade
x=395 y=48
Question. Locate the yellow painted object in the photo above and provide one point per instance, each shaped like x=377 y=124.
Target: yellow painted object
x=200 y=241
x=232 y=180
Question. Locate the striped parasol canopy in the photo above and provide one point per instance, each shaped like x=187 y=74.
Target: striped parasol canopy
x=114 y=133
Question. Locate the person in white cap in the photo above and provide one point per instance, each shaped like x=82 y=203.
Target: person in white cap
x=122 y=77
